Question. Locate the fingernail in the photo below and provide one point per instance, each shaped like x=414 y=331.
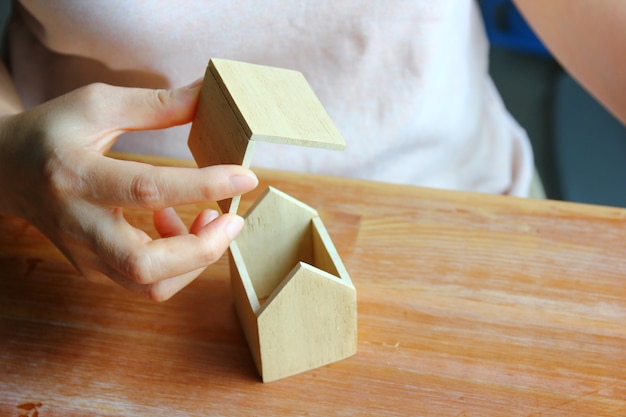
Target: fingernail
x=234 y=226
x=211 y=215
x=241 y=183
x=206 y=217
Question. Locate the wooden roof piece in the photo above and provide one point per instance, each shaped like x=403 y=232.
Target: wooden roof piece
x=241 y=103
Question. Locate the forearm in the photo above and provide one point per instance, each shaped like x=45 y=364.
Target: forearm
x=589 y=39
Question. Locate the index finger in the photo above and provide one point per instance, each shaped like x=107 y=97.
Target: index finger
x=118 y=183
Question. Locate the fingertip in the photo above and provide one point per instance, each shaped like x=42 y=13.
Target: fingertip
x=188 y=92
x=203 y=219
x=220 y=232
x=167 y=222
x=241 y=183
x=234 y=226
x=164 y=213
x=208 y=216
x=195 y=84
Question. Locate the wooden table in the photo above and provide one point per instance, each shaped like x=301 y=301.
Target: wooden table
x=469 y=305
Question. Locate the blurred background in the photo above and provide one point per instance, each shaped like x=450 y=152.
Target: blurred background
x=580 y=149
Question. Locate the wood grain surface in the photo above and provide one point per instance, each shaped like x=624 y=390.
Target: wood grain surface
x=469 y=305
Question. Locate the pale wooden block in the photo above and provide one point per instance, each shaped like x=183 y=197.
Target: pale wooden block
x=241 y=103
x=294 y=298
x=276 y=105
x=216 y=137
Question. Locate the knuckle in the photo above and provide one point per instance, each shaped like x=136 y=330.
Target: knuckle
x=215 y=187
x=159 y=100
x=62 y=177
x=208 y=191
x=211 y=254
x=162 y=97
x=91 y=97
x=94 y=90
x=145 y=191
x=138 y=268
x=93 y=108
x=156 y=293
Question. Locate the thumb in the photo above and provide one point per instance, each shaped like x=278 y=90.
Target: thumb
x=111 y=109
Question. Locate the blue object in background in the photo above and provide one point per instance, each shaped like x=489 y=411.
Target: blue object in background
x=590 y=147
x=507 y=28
x=582 y=151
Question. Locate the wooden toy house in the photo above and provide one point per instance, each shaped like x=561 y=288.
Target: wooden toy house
x=294 y=298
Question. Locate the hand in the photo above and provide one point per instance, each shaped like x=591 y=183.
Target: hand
x=53 y=172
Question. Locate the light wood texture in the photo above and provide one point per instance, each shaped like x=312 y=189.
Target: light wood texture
x=241 y=103
x=469 y=305
x=216 y=136
x=295 y=300
x=276 y=105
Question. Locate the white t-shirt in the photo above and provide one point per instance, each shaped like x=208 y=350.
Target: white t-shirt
x=406 y=82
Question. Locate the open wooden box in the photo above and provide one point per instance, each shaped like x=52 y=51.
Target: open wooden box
x=295 y=300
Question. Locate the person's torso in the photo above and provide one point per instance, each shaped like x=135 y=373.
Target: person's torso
x=405 y=81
